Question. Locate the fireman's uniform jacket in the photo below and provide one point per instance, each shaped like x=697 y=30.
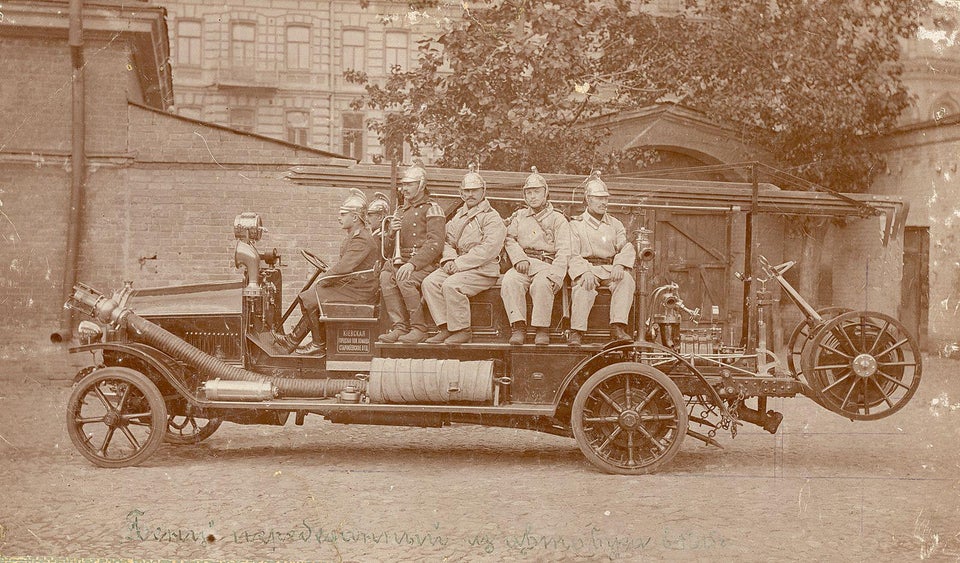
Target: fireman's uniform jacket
x=542 y=239
x=474 y=239
x=421 y=244
x=596 y=245
x=353 y=279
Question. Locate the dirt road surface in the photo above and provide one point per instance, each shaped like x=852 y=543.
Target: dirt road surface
x=823 y=488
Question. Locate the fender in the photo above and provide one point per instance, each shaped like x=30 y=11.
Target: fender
x=636 y=347
x=165 y=365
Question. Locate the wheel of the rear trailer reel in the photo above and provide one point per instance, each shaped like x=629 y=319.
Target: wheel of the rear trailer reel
x=190 y=429
x=863 y=365
x=802 y=333
x=629 y=418
x=116 y=417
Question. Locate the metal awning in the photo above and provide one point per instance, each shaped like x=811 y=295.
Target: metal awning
x=633 y=192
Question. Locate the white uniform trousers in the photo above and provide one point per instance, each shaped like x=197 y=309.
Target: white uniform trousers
x=448 y=296
x=621 y=301
x=513 y=291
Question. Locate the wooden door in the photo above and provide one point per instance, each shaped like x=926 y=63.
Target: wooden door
x=693 y=251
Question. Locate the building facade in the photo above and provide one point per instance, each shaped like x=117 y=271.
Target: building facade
x=277 y=67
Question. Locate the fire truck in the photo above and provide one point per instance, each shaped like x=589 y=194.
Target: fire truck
x=170 y=365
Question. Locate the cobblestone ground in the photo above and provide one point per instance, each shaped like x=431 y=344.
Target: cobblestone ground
x=823 y=488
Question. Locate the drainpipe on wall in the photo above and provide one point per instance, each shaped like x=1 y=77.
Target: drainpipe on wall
x=77 y=169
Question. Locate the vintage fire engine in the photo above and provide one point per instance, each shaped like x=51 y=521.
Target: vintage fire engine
x=171 y=364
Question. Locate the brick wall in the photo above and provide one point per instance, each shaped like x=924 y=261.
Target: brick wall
x=922 y=165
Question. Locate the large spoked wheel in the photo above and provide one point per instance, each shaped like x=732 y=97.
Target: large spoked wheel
x=315 y=261
x=629 y=418
x=186 y=430
x=116 y=417
x=863 y=365
x=802 y=333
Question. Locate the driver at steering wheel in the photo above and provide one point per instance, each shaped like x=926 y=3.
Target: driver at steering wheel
x=353 y=279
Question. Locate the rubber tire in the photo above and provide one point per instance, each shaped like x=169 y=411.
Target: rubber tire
x=158 y=415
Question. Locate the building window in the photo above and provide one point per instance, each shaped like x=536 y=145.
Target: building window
x=243 y=47
x=353 y=135
x=353 y=55
x=189 y=51
x=298 y=127
x=396 y=50
x=243 y=119
x=298 y=47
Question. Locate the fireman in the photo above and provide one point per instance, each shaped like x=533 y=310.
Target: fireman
x=600 y=256
x=538 y=245
x=352 y=279
x=376 y=211
x=420 y=228
x=470 y=262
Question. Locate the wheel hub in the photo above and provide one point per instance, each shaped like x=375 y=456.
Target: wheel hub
x=629 y=419
x=864 y=365
x=112 y=419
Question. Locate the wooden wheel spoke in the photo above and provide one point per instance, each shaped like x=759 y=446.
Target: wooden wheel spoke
x=647 y=435
x=630 y=459
x=130 y=437
x=892 y=347
x=886 y=325
x=885 y=397
x=837 y=382
x=103 y=398
x=131 y=417
x=832 y=366
x=657 y=417
x=613 y=436
x=648 y=398
x=895 y=364
x=602 y=419
x=87 y=420
x=123 y=398
x=846 y=337
x=847 y=397
x=893 y=379
x=616 y=406
x=106 y=441
x=835 y=351
x=626 y=389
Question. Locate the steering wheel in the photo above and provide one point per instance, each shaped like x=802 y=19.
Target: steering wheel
x=314 y=261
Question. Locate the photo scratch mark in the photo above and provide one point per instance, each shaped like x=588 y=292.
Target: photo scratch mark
x=210 y=152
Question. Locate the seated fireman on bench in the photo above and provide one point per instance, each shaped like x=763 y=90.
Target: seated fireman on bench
x=353 y=279
x=470 y=262
x=600 y=256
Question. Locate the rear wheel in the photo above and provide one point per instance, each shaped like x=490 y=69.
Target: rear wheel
x=803 y=332
x=629 y=418
x=863 y=365
x=190 y=429
x=116 y=417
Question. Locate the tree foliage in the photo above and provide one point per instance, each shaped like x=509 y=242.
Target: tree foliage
x=515 y=83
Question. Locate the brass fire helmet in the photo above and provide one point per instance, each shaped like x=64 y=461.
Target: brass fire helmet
x=379 y=204
x=472 y=180
x=595 y=186
x=535 y=180
x=356 y=202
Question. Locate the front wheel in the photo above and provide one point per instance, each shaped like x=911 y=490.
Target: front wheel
x=116 y=417
x=629 y=418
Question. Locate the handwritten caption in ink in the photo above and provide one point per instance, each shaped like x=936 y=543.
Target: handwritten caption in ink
x=591 y=542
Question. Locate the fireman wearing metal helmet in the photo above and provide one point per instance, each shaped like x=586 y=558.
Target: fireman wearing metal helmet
x=352 y=279
x=600 y=256
x=376 y=211
x=417 y=227
x=538 y=245
x=470 y=262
